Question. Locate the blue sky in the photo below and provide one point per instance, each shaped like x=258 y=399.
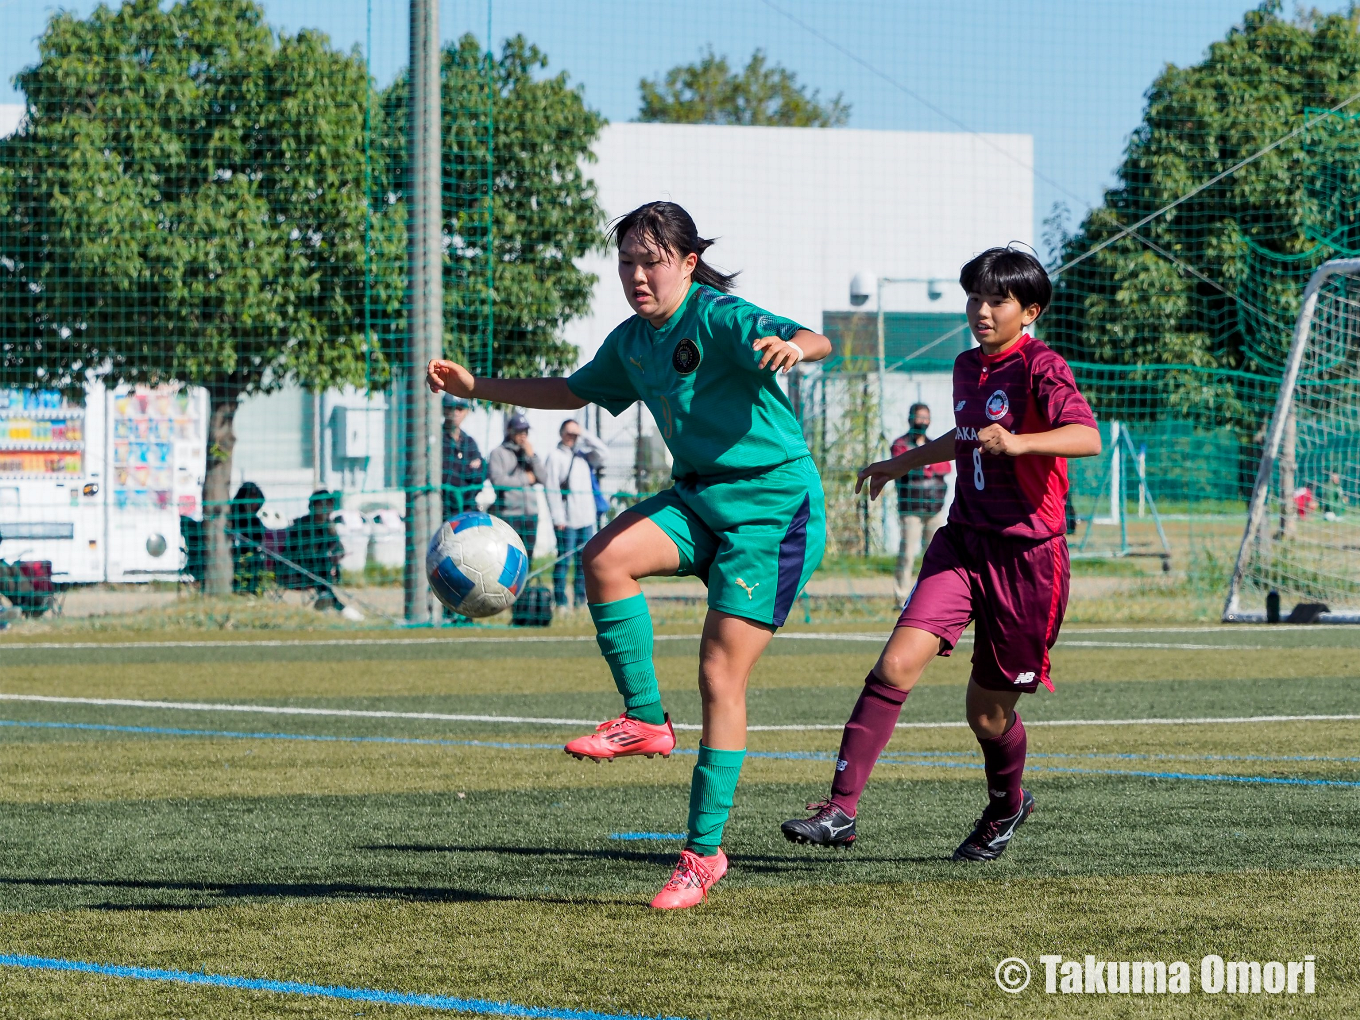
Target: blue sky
x=1070 y=72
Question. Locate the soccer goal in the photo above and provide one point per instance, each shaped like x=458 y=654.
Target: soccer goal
x=1301 y=545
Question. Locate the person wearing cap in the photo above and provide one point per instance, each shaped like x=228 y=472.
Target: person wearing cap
x=514 y=469
x=463 y=467
x=568 y=482
x=313 y=544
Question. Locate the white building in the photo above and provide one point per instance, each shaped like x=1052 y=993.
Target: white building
x=798 y=211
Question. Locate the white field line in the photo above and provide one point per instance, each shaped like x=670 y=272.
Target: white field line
x=1073 y=642
x=201 y=706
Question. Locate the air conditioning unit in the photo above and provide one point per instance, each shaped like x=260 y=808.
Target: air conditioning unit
x=355 y=433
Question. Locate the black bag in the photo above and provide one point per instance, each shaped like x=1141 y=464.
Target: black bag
x=534 y=607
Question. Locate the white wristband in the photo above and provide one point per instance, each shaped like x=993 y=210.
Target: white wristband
x=797 y=350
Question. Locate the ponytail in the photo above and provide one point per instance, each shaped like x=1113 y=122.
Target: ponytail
x=667 y=227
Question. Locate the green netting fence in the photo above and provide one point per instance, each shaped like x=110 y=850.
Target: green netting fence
x=205 y=210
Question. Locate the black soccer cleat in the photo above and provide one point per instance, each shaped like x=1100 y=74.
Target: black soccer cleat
x=830 y=826
x=991 y=836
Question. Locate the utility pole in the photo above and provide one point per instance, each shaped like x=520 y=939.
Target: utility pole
x=425 y=308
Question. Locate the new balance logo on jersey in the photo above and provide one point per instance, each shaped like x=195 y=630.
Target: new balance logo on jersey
x=959 y=406
x=841 y=764
x=750 y=589
x=1025 y=678
x=965 y=433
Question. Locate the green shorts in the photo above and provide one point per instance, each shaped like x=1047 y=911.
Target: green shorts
x=754 y=540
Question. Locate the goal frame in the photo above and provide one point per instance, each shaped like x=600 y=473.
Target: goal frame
x=1284 y=403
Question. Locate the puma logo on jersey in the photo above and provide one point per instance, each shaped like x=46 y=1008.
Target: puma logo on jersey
x=1025 y=678
x=750 y=589
x=636 y=363
x=965 y=433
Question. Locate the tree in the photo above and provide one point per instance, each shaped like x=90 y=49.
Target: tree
x=1252 y=239
x=541 y=212
x=710 y=92
x=186 y=204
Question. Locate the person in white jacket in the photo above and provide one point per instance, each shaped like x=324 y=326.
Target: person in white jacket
x=571 y=502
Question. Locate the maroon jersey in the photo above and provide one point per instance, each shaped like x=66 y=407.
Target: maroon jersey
x=1026 y=389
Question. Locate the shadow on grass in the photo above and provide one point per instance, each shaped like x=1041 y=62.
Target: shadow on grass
x=275 y=890
x=764 y=863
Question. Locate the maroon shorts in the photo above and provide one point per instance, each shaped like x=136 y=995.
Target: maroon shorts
x=1015 y=589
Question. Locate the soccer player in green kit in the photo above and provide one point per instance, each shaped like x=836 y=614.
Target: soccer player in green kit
x=745 y=514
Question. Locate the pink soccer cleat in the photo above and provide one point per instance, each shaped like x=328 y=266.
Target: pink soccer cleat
x=691 y=880
x=618 y=738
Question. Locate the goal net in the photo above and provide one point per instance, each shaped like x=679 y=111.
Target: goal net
x=1302 y=538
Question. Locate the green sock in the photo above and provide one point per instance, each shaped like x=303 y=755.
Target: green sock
x=624 y=633
x=710 y=797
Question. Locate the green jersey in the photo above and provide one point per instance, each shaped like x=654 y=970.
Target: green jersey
x=718 y=412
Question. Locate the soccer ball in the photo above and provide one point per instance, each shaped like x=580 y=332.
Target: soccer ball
x=476 y=564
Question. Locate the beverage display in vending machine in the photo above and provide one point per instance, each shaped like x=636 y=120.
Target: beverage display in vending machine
x=96 y=485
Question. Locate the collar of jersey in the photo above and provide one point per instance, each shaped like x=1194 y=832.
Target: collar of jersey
x=991 y=359
x=659 y=332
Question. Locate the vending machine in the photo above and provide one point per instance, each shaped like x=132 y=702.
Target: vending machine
x=97 y=486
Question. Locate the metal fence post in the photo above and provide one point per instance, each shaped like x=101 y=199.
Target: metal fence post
x=425 y=320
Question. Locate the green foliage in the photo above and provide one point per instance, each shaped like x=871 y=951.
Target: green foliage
x=710 y=92
x=1254 y=237
x=543 y=217
x=185 y=203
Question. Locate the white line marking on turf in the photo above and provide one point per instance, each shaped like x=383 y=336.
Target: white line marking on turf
x=205 y=706
x=877 y=638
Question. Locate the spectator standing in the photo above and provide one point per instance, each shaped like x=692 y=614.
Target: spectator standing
x=1334 y=501
x=515 y=469
x=463 y=467
x=920 y=502
x=568 y=482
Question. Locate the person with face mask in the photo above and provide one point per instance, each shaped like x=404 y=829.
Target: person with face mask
x=920 y=502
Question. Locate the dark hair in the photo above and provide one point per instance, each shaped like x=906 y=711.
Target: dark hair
x=666 y=226
x=248 y=491
x=918 y=406
x=1008 y=271
x=240 y=514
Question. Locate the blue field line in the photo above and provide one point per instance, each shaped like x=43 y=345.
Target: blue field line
x=647 y=835
x=1133 y=756
x=902 y=758
x=447 y=1003
x=1143 y=773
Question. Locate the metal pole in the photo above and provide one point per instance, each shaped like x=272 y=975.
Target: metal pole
x=425 y=329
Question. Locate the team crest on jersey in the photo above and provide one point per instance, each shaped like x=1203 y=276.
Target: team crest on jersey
x=998 y=405
x=686 y=357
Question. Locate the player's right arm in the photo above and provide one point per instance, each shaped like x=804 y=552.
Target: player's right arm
x=882 y=472
x=549 y=394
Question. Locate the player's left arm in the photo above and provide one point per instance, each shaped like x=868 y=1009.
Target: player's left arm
x=784 y=354
x=1064 y=441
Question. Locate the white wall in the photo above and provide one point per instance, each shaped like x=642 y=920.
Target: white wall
x=801 y=210
x=10 y=115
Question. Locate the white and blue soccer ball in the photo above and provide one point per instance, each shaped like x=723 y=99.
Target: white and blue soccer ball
x=476 y=564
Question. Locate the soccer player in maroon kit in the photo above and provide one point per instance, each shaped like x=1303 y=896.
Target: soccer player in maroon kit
x=1000 y=561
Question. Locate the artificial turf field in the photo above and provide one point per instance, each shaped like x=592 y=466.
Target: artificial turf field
x=482 y=863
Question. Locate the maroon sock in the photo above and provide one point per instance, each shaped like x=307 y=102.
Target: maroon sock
x=866 y=734
x=1003 y=759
